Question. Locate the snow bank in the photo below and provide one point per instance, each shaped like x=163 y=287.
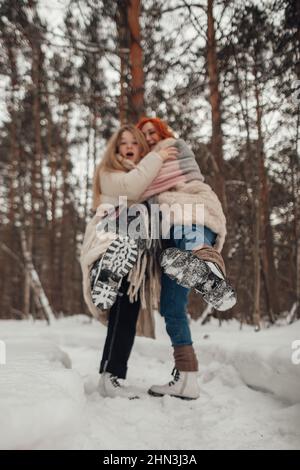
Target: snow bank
x=262 y=359
x=40 y=395
x=249 y=386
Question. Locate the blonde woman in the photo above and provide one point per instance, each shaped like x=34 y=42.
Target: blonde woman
x=114 y=284
x=192 y=258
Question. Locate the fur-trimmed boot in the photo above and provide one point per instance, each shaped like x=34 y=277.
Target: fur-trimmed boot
x=184 y=383
x=202 y=269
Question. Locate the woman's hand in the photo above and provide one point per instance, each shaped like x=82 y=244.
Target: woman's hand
x=169 y=153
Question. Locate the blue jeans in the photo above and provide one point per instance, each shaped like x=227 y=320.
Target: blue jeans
x=174 y=298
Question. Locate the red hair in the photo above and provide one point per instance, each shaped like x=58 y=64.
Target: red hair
x=160 y=126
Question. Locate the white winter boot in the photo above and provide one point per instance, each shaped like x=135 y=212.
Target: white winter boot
x=184 y=385
x=109 y=386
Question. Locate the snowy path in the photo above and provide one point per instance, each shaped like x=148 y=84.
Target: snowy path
x=44 y=403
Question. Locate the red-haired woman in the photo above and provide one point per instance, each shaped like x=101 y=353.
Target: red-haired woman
x=192 y=259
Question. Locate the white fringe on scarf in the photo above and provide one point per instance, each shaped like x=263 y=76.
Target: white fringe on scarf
x=144 y=270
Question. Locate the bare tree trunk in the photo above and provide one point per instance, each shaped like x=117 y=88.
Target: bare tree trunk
x=215 y=103
x=27 y=286
x=255 y=201
x=8 y=296
x=124 y=40
x=88 y=159
x=136 y=105
x=297 y=188
x=66 y=247
x=35 y=281
x=256 y=260
x=63 y=222
x=53 y=195
x=94 y=127
x=267 y=249
x=296 y=203
x=38 y=162
x=123 y=89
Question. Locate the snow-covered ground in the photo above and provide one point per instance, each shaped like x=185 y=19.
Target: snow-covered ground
x=250 y=385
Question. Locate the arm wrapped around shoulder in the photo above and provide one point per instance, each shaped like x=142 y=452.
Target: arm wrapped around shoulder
x=134 y=182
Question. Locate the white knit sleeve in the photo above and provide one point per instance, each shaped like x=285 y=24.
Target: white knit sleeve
x=134 y=182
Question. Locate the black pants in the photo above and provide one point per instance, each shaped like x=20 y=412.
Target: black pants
x=120 y=334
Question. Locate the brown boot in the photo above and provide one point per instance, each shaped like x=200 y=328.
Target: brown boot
x=185 y=358
x=208 y=253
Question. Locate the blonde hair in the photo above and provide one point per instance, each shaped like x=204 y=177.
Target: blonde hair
x=110 y=161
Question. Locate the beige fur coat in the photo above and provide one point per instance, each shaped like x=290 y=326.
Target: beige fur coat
x=133 y=184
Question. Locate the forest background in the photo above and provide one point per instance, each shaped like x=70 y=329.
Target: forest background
x=225 y=75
